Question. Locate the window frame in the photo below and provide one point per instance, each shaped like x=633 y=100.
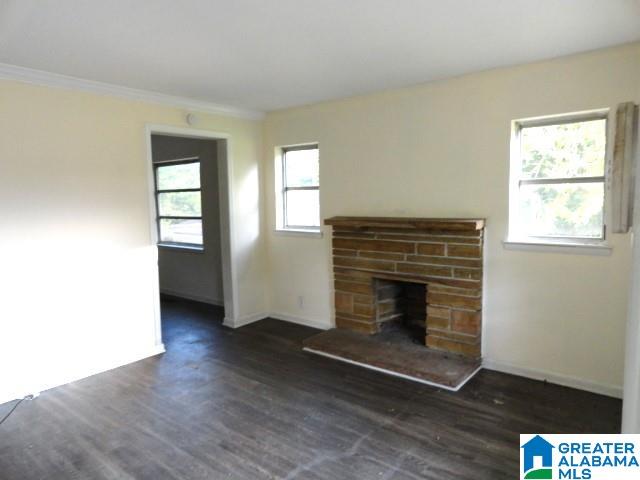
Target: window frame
x=515 y=234
x=284 y=188
x=159 y=217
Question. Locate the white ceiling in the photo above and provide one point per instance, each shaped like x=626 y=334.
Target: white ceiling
x=271 y=54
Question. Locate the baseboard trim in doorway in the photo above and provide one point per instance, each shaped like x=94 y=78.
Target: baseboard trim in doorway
x=395 y=374
x=188 y=296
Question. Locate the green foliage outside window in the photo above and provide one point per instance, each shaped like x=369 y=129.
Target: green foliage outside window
x=563 y=151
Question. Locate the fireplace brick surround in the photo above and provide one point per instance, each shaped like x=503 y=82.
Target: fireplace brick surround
x=444 y=255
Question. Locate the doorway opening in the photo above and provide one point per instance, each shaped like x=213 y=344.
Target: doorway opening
x=190 y=223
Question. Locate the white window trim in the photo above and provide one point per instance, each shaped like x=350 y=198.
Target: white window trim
x=516 y=240
x=280 y=227
x=290 y=232
x=573 y=248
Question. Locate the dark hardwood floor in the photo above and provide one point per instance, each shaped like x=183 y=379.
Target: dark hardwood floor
x=250 y=404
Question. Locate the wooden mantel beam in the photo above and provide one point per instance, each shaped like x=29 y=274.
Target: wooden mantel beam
x=405 y=223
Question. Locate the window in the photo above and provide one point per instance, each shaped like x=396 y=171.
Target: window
x=178 y=202
x=299 y=187
x=557 y=186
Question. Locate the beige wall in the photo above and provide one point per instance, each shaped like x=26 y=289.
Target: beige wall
x=76 y=259
x=442 y=150
x=187 y=273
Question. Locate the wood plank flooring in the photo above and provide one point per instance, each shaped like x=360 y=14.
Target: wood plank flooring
x=250 y=404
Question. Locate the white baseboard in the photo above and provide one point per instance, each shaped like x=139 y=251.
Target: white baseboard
x=255 y=317
x=196 y=298
x=119 y=362
x=300 y=321
x=557 y=378
x=244 y=320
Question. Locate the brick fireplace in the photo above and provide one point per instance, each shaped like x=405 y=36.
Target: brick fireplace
x=425 y=272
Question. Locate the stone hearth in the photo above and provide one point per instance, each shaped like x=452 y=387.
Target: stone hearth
x=444 y=256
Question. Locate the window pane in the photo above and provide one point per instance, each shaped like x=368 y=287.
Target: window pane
x=302 y=168
x=180 y=204
x=303 y=208
x=174 y=177
x=567 y=150
x=181 y=231
x=567 y=209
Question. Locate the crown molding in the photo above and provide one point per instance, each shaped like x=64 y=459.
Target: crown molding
x=56 y=80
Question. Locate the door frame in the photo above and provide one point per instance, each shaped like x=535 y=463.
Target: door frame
x=225 y=192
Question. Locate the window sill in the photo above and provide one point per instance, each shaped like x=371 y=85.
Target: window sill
x=182 y=248
x=599 y=249
x=291 y=232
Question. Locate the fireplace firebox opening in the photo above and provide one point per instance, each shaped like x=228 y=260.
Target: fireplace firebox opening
x=401 y=310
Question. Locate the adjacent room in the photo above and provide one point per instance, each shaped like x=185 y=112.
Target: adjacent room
x=318 y=239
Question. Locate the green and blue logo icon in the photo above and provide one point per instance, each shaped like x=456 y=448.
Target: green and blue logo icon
x=537 y=459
